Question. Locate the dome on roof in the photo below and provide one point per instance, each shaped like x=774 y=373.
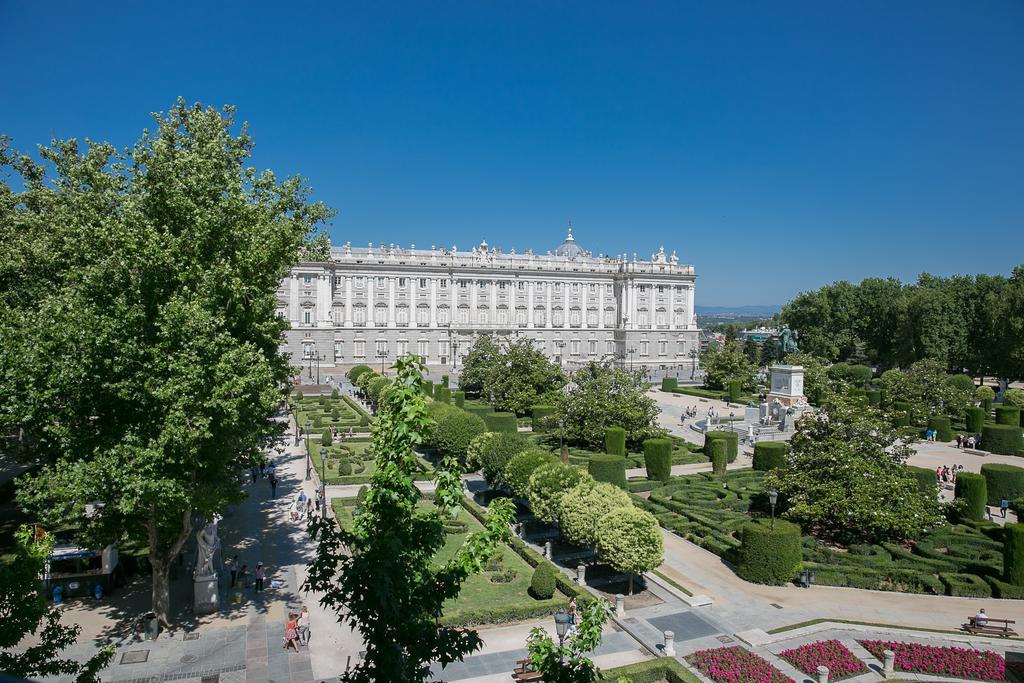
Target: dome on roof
x=569 y=249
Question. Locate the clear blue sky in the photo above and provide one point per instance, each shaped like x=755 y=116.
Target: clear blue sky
x=776 y=145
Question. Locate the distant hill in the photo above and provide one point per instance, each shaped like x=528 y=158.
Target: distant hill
x=744 y=311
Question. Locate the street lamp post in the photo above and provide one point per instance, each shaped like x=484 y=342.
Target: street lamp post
x=382 y=356
x=561 y=434
x=308 y=461
x=455 y=354
x=631 y=350
x=560 y=344
x=310 y=359
x=318 y=358
x=773 y=497
x=561 y=628
x=693 y=362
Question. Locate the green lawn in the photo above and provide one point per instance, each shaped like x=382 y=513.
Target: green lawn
x=325 y=411
x=355 y=453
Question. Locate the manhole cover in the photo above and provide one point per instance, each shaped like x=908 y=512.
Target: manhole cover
x=189 y=659
x=724 y=639
x=215 y=678
x=135 y=657
x=191 y=636
x=776 y=605
x=632 y=620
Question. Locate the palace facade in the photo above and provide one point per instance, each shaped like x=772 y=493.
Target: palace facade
x=373 y=304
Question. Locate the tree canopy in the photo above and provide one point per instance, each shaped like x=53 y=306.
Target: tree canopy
x=603 y=396
x=728 y=362
x=138 y=312
x=513 y=376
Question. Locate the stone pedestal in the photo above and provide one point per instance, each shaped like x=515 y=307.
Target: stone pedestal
x=889 y=657
x=670 y=644
x=206 y=597
x=620 y=606
x=581 y=573
x=787 y=385
x=822 y=674
x=547 y=550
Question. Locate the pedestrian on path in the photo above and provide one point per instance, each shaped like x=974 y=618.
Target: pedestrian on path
x=273 y=485
x=1003 y=506
x=291 y=633
x=303 y=626
x=233 y=569
x=261 y=574
x=243 y=575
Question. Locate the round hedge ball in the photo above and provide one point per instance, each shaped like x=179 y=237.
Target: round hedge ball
x=542 y=585
x=767 y=555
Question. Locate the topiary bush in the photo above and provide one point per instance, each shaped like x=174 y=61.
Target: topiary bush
x=732 y=443
x=1002 y=439
x=538 y=413
x=669 y=383
x=964 y=383
x=501 y=422
x=444 y=380
x=497 y=452
x=459 y=398
x=719 y=458
x=975 y=420
x=769 y=455
x=542 y=585
x=856 y=375
x=874 y=397
x=735 y=390
x=608 y=468
x=615 y=441
x=516 y=475
x=1014 y=397
x=355 y=372
x=1008 y=415
x=479 y=410
x=453 y=429
x=442 y=394
x=767 y=555
x=344 y=468
x=1013 y=554
x=583 y=506
x=548 y=484
x=1002 y=481
x=658 y=459
x=900 y=420
x=940 y=425
x=971 y=488
x=926 y=480
x=325 y=438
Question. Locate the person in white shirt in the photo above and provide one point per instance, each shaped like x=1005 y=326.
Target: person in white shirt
x=981 y=619
x=304 y=626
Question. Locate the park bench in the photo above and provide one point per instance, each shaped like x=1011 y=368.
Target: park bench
x=525 y=673
x=991 y=627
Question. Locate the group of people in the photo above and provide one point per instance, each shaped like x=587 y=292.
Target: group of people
x=969 y=441
x=301 y=507
x=240 y=574
x=296 y=629
x=947 y=473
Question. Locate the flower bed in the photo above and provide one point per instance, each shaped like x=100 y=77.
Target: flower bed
x=736 y=665
x=982 y=665
x=841 y=662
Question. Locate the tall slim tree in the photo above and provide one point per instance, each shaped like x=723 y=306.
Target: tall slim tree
x=138 y=312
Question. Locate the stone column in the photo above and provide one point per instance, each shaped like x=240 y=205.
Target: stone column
x=433 y=302
x=565 y=307
x=671 y=307
x=689 y=292
x=391 y=302
x=889 y=659
x=581 y=573
x=294 y=313
x=348 y=301
x=822 y=674
x=413 y=303
x=493 y=317
x=473 y=284
x=547 y=319
x=620 y=605
x=600 y=306
x=529 y=304
x=633 y=306
x=670 y=643
x=371 y=285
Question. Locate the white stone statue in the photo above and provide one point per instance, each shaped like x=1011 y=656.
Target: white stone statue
x=207 y=547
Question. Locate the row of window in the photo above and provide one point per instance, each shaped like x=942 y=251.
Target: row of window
x=575 y=287
x=401 y=347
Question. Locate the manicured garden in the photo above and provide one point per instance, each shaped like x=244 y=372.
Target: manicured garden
x=324 y=412
x=736 y=665
x=840 y=661
x=981 y=665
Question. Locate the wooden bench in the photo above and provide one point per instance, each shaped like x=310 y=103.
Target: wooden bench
x=524 y=671
x=991 y=627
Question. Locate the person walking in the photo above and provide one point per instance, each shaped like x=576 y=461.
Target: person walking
x=572 y=613
x=1003 y=506
x=303 y=626
x=291 y=632
x=261 y=574
x=273 y=485
x=233 y=569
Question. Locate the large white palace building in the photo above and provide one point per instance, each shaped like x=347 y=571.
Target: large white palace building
x=366 y=305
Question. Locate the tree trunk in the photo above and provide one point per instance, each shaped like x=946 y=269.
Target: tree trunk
x=161 y=590
x=160 y=559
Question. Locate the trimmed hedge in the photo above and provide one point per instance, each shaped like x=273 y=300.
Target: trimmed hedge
x=769 y=455
x=658 y=458
x=732 y=439
x=358 y=370
x=900 y=420
x=1003 y=481
x=940 y=425
x=1002 y=439
x=659 y=670
x=926 y=480
x=669 y=383
x=718 y=456
x=965 y=585
x=538 y=412
x=1007 y=591
x=735 y=390
x=901 y=406
x=542 y=585
x=975 y=420
x=459 y=398
x=427 y=388
x=482 y=411
x=615 y=441
x=1008 y=415
x=444 y=380
x=501 y=422
x=608 y=468
x=769 y=555
x=972 y=488
x=1013 y=554
x=442 y=394
x=874 y=397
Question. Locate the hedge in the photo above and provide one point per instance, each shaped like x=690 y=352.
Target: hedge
x=731 y=438
x=538 y=412
x=615 y=441
x=501 y=422
x=901 y=406
x=358 y=370
x=940 y=425
x=1003 y=481
x=718 y=456
x=427 y=388
x=669 y=383
x=656 y=670
x=735 y=387
x=459 y=398
x=769 y=555
x=1008 y=415
x=1013 y=554
x=900 y=420
x=971 y=487
x=442 y=394
x=658 y=458
x=926 y=480
x=542 y=585
x=975 y=420
x=608 y=468
x=769 y=455
x=965 y=585
x=482 y=411
x=1002 y=439
x=1008 y=591
x=444 y=380
x=874 y=397
x=986 y=405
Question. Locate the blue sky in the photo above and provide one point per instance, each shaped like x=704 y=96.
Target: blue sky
x=776 y=145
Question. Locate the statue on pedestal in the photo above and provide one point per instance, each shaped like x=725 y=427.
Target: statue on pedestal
x=787 y=343
x=207 y=547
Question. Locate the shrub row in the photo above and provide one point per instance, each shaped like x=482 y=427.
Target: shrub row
x=972 y=489
x=769 y=455
x=941 y=426
x=615 y=441
x=768 y=555
x=731 y=439
x=608 y=468
x=658 y=458
x=1002 y=481
x=1002 y=439
x=1008 y=415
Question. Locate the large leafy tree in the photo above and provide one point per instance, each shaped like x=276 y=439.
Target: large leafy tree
x=583 y=506
x=521 y=376
x=478 y=363
x=630 y=540
x=846 y=480
x=137 y=309
x=603 y=396
x=381 y=575
x=26 y=611
x=728 y=362
x=926 y=387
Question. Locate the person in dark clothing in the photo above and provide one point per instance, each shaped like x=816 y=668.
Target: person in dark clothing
x=234 y=570
x=273 y=486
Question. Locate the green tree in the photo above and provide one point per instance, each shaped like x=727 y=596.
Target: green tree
x=629 y=539
x=727 y=363
x=520 y=377
x=138 y=298
x=568 y=663
x=604 y=396
x=453 y=429
x=522 y=466
x=548 y=484
x=583 y=506
x=497 y=452
x=846 y=478
x=925 y=386
x=816 y=381
x=381 y=575
x=26 y=612
x=478 y=364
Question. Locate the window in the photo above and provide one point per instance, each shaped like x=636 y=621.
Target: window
x=557 y=318
x=592 y=288
x=360 y=282
x=422 y=316
x=380 y=315
x=401 y=283
x=463 y=316
x=501 y=285
x=306 y=279
x=423 y=348
x=423 y=282
x=661 y=289
x=574 y=347
x=337 y=350
x=306 y=317
x=442 y=348
x=662 y=347
x=380 y=283
x=482 y=317
x=382 y=347
x=609 y=347
x=520 y=317
x=442 y=316
x=575 y=288
x=339 y=281
x=558 y=287
x=592 y=347
x=574 y=317
x=402 y=315
x=502 y=317
x=661 y=318
x=592 y=318
x=609 y=318
x=444 y=284
x=359 y=348
x=482 y=284
x=463 y=284
x=643 y=347
x=642 y=318
x=643 y=288
x=540 y=286
x=538 y=316
x=359 y=315
x=519 y=285
x=403 y=347
x=307 y=351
